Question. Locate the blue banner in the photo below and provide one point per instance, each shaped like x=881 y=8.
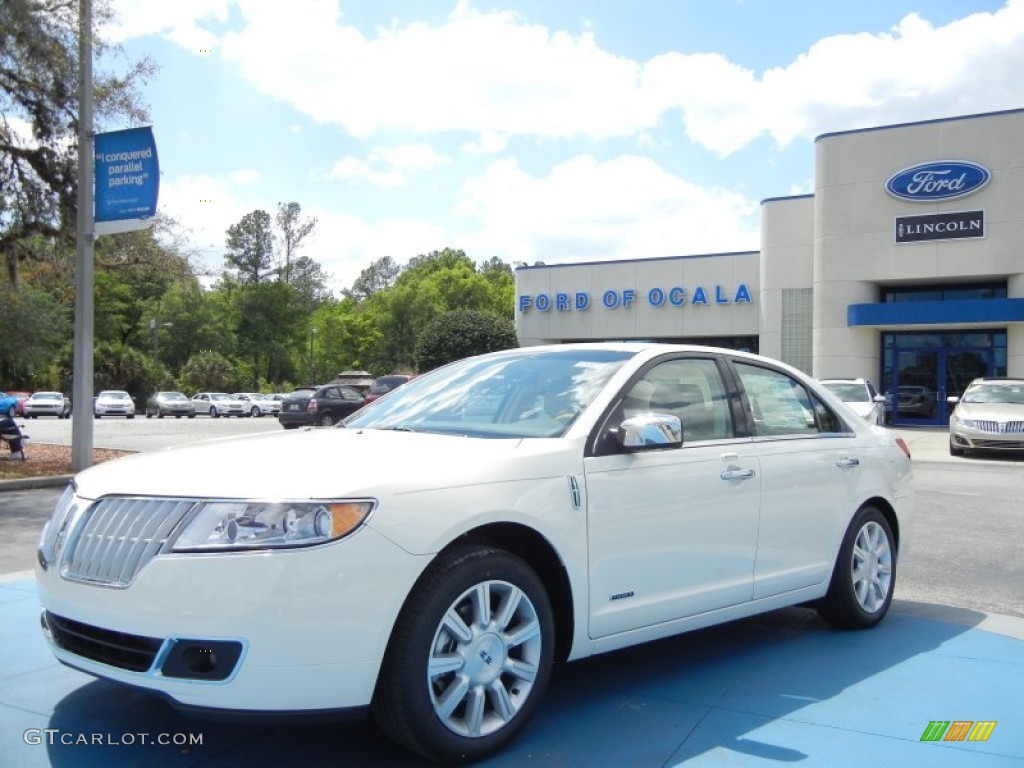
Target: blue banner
x=127 y=180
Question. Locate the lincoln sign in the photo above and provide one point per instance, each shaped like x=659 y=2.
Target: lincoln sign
x=940 y=226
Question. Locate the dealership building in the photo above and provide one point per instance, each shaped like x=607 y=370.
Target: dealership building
x=905 y=267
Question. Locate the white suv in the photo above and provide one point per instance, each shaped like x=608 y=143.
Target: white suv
x=861 y=396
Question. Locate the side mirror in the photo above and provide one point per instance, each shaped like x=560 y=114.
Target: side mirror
x=650 y=431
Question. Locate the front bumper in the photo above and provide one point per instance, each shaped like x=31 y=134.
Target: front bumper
x=295 y=630
x=968 y=438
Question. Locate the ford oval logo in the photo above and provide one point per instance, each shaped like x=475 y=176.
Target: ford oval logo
x=945 y=180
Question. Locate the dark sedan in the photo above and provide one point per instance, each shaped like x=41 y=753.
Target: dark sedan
x=323 y=406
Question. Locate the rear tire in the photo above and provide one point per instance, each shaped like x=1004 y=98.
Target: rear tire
x=864 y=576
x=470 y=656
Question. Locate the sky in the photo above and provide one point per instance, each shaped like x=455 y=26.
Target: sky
x=552 y=131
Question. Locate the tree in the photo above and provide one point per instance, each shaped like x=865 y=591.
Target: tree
x=310 y=284
x=462 y=333
x=39 y=122
x=294 y=229
x=33 y=329
x=250 y=247
x=379 y=276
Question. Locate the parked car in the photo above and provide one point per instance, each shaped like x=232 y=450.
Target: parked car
x=217 y=404
x=384 y=384
x=259 y=404
x=613 y=495
x=171 y=403
x=861 y=396
x=10 y=404
x=915 y=401
x=320 y=406
x=48 y=404
x=113 y=402
x=989 y=416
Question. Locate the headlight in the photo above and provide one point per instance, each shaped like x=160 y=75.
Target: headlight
x=56 y=527
x=228 y=525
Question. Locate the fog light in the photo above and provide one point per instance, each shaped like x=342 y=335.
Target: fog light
x=202 y=659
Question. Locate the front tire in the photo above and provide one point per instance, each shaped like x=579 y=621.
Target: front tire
x=864 y=576
x=470 y=656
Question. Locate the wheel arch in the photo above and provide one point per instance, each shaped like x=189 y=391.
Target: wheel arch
x=889 y=513
x=529 y=545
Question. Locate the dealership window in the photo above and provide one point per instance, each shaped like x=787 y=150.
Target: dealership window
x=972 y=292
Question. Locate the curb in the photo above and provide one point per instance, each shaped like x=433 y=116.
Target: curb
x=29 y=483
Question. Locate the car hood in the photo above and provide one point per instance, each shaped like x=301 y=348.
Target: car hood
x=325 y=463
x=990 y=411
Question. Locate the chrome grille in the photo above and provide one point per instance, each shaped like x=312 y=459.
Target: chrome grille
x=1006 y=428
x=116 y=537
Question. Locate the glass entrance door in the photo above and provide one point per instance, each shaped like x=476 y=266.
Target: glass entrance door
x=920 y=370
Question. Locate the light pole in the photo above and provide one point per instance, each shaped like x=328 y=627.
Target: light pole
x=155 y=327
x=312 y=367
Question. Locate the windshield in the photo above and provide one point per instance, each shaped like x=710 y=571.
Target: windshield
x=849 y=393
x=996 y=392
x=513 y=394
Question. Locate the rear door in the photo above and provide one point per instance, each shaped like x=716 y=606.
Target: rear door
x=810 y=469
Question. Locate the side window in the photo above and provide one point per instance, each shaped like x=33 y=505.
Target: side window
x=691 y=389
x=783 y=406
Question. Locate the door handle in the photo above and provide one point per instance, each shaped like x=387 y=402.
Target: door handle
x=847 y=461
x=737 y=474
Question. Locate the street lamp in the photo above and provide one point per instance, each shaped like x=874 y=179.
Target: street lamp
x=312 y=366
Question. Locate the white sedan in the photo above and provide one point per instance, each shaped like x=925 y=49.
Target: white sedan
x=259 y=404
x=47 y=404
x=552 y=503
x=217 y=404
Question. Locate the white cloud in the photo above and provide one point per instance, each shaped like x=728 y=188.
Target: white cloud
x=584 y=209
x=388 y=166
x=529 y=80
x=178 y=21
x=245 y=176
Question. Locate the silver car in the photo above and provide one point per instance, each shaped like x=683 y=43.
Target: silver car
x=989 y=416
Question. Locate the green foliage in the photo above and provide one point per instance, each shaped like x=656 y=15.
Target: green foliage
x=209 y=371
x=33 y=328
x=250 y=248
x=117 y=366
x=462 y=333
